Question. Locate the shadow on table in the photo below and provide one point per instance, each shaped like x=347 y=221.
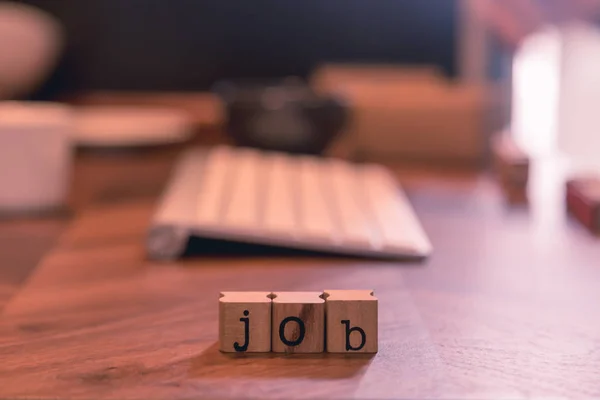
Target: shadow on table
x=323 y=366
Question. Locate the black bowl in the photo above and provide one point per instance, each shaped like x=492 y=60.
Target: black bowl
x=284 y=116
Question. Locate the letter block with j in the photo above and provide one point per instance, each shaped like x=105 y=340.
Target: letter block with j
x=351 y=321
x=298 y=322
x=245 y=322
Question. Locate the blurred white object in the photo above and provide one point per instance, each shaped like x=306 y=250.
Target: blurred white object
x=127 y=126
x=536 y=86
x=35 y=156
x=557 y=92
x=30 y=44
x=579 y=113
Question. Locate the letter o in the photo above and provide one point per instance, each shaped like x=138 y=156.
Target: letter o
x=301 y=328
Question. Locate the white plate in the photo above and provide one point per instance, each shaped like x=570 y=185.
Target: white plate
x=128 y=126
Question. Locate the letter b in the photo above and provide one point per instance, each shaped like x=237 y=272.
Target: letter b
x=363 y=336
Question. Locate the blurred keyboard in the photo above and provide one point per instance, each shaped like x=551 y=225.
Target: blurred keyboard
x=277 y=199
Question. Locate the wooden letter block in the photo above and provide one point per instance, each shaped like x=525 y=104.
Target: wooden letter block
x=298 y=322
x=351 y=321
x=245 y=322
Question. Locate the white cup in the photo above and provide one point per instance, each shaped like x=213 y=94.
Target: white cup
x=35 y=156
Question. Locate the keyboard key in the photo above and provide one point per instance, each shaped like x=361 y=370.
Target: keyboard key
x=213 y=185
x=242 y=206
x=316 y=221
x=279 y=206
x=389 y=209
x=346 y=200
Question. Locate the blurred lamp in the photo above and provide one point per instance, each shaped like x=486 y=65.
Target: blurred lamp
x=30 y=44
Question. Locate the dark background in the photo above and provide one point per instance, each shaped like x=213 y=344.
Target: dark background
x=188 y=44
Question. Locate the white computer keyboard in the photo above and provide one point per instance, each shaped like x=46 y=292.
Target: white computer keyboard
x=300 y=202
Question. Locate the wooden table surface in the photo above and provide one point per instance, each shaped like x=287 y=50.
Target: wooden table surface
x=507 y=307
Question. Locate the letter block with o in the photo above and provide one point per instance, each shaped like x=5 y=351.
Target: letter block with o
x=351 y=319
x=245 y=322
x=298 y=322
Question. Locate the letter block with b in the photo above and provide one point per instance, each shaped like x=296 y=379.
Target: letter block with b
x=298 y=322
x=245 y=322
x=351 y=321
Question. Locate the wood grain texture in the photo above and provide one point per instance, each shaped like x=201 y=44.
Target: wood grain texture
x=298 y=322
x=505 y=308
x=105 y=323
x=245 y=322
x=23 y=243
x=351 y=321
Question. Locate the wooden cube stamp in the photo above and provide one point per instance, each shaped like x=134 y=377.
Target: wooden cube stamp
x=512 y=163
x=583 y=201
x=512 y=168
x=245 y=322
x=298 y=322
x=351 y=321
